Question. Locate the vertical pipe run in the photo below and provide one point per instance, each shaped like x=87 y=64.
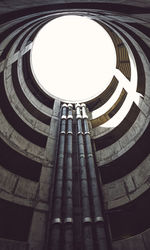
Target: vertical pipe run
x=61 y=235
x=95 y=195
x=68 y=201
x=85 y=201
x=56 y=227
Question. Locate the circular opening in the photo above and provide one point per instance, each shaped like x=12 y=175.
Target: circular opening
x=73 y=58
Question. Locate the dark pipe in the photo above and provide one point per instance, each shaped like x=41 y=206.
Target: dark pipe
x=101 y=242
x=88 y=243
x=56 y=227
x=68 y=202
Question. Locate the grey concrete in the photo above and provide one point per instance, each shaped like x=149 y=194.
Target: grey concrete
x=118 y=148
x=26 y=188
x=8 y=180
x=13 y=245
x=23 y=191
x=32 y=99
x=128 y=188
x=37 y=194
x=51 y=141
x=134 y=243
x=18 y=142
x=18 y=107
x=114 y=151
x=7 y=6
x=138 y=242
x=37 y=231
x=40 y=218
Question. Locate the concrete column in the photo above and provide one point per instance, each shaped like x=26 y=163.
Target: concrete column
x=37 y=231
x=37 y=234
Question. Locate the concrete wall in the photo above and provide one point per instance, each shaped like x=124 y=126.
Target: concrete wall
x=138 y=242
x=33 y=194
x=129 y=187
x=7 y=5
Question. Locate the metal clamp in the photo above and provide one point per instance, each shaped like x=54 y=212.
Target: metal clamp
x=64 y=105
x=77 y=105
x=78 y=116
x=70 y=105
x=87 y=133
x=62 y=132
x=63 y=117
x=70 y=117
x=81 y=155
x=85 y=116
x=99 y=219
x=90 y=155
x=87 y=220
x=69 y=132
x=56 y=220
x=60 y=155
x=80 y=133
x=68 y=220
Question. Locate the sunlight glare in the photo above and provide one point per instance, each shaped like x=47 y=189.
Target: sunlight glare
x=73 y=58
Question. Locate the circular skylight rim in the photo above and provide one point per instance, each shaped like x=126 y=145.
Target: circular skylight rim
x=68 y=100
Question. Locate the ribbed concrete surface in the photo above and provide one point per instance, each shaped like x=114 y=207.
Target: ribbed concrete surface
x=8 y=5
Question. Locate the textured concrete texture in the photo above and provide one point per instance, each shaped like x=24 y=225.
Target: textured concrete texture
x=23 y=191
x=37 y=194
x=39 y=220
x=8 y=5
x=140 y=242
x=13 y=245
x=37 y=231
x=19 y=108
x=118 y=148
x=19 y=142
x=129 y=187
x=110 y=153
x=51 y=141
x=34 y=101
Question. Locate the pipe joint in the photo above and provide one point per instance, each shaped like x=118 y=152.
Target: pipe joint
x=69 y=132
x=78 y=116
x=68 y=220
x=64 y=105
x=56 y=221
x=77 y=105
x=90 y=155
x=87 y=133
x=87 y=220
x=70 y=117
x=63 y=117
x=85 y=116
x=99 y=219
x=83 y=105
x=80 y=133
x=60 y=155
x=70 y=105
x=82 y=156
x=62 y=132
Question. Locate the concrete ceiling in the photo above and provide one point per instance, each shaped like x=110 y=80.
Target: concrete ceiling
x=8 y=6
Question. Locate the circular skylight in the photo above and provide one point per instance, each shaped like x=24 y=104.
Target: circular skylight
x=73 y=58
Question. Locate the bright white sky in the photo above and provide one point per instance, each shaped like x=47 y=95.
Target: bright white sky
x=73 y=58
